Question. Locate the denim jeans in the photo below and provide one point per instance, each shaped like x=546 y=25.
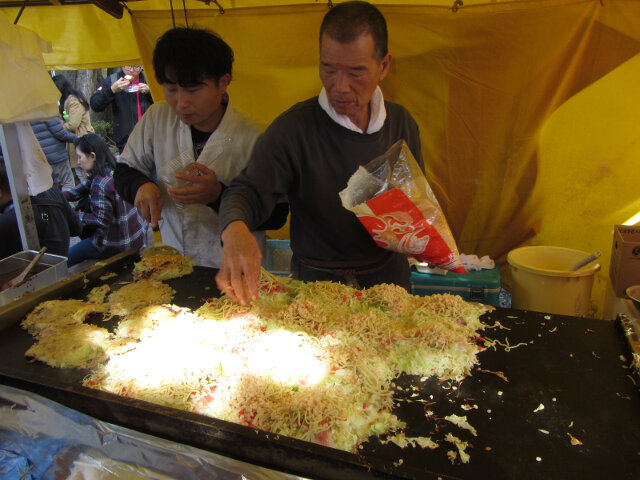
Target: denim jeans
x=83 y=251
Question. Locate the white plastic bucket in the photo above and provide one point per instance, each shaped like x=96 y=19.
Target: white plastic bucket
x=542 y=281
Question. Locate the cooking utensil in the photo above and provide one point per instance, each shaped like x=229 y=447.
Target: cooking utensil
x=586 y=261
x=17 y=280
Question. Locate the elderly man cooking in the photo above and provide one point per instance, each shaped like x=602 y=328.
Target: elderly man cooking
x=309 y=153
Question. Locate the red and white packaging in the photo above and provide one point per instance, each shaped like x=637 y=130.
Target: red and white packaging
x=393 y=200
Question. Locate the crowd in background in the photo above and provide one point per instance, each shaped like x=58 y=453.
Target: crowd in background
x=82 y=216
x=202 y=172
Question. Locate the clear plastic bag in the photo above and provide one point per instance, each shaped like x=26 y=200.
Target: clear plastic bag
x=393 y=200
x=183 y=163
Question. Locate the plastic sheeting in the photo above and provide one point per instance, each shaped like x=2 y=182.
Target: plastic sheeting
x=527 y=110
x=41 y=439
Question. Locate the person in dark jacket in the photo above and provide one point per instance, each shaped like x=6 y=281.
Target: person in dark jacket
x=55 y=220
x=129 y=97
x=53 y=139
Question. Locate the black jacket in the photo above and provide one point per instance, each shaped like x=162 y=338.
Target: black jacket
x=53 y=139
x=124 y=105
x=55 y=221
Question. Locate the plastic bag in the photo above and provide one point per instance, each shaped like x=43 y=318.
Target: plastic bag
x=183 y=163
x=393 y=200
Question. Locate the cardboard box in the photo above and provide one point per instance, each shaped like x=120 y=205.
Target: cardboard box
x=625 y=258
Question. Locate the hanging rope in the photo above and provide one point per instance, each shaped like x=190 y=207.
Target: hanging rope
x=173 y=18
x=220 y=9
x=456 y=5
x=186 y=20
x=20 y=12
x=125 y=7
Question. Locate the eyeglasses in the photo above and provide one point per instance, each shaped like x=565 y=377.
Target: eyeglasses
x=133 y=67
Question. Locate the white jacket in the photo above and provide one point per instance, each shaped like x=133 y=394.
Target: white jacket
x=161 y=144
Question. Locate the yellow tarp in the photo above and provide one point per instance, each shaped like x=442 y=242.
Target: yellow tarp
x=27 y=90
x=83 y=36
x=527 y=110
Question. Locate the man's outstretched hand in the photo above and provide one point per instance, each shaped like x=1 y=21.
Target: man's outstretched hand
x=241 y=259
x=149 y=203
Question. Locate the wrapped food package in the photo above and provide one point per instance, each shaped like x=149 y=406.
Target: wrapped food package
x=393 y=200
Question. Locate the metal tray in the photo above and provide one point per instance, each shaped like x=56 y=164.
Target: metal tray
x=50 y=269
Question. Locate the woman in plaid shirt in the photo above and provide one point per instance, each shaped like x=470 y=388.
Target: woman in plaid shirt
x=118 y=225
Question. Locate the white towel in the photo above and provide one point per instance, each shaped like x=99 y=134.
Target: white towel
x=37 y=170
x=472 y=262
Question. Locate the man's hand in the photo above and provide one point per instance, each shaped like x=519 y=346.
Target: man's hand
x=119 y=85
x=205 y=187
x=143 y=87
x=149 y=203
x=241 y=260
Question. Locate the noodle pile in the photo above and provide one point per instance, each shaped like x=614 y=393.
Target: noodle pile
x=312 y=361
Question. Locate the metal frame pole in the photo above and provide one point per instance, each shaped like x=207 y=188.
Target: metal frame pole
x=19 y=189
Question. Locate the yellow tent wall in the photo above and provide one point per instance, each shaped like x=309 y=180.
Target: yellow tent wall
x=33 y=96
x=527 y=110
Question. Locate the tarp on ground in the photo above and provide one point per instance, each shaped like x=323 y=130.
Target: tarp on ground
x=527 y=109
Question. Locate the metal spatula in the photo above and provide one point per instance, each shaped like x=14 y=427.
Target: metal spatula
x=17 y=280
x=586 y=261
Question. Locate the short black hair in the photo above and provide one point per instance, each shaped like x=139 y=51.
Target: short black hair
x=105 y=161
x=188 y=55
x=347 y=21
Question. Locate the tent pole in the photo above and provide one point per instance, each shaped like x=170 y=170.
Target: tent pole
x=19 y=189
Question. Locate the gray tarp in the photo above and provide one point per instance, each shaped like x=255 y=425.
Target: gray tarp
x=41 y=439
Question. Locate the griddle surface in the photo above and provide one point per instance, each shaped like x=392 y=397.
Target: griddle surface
x=577 y=369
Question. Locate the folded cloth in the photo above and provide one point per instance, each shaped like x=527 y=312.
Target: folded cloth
x=426 y=267
x=472 y=262
x=35 y=166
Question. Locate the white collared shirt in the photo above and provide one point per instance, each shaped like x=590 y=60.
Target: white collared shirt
x=161 y=144
x=376 y=121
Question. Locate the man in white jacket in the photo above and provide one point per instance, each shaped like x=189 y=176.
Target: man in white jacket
x=186 y=149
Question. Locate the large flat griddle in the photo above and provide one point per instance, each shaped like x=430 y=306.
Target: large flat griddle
x=576 y=368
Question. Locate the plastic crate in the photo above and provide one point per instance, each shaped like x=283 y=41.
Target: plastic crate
x=277 y=257
x=481 y=286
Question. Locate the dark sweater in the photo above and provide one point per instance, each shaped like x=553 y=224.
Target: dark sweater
x=53 y=139
x=305 y=155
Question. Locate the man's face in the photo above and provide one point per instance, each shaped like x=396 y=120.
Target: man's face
x=350 y=74
x=198 y=105
x=133 y=70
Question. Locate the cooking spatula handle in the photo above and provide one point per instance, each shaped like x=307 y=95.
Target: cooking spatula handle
x=586 y=261
x=28 y=268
